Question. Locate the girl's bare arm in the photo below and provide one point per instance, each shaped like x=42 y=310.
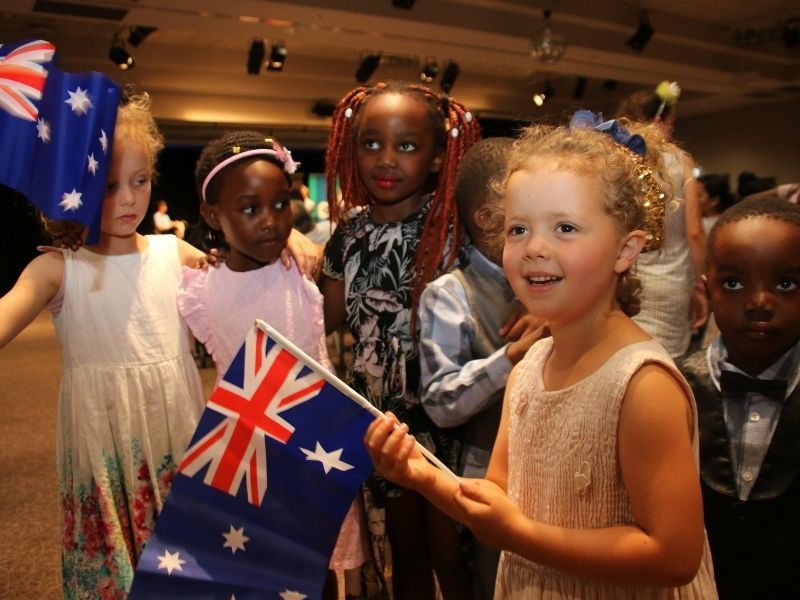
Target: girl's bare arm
x=36 y=286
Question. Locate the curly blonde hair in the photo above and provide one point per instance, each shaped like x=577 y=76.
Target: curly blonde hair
x=589 y=153
x=135 y=123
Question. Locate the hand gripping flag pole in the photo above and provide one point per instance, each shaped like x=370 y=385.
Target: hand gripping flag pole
x=342 y=387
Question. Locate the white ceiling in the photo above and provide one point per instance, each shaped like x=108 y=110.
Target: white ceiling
x=194 y=63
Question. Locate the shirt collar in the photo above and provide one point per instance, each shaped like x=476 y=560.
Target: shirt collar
x=786 y=367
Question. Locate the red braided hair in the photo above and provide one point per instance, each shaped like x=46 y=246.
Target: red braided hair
x=455 y=130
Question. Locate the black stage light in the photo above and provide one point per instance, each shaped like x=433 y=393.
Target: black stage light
x=791 y=33
x=369 y=64
x=120 y=56
x=642 y=35
x=429 y=71
x=138 y=34
x=277 y=57
x=449 y=77
x=580 y=87
x=255 y=57
x=403 y=3
x=323 y=108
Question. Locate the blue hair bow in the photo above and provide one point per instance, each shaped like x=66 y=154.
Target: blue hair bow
x=586 y=119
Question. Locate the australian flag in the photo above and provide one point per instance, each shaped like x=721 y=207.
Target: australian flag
x=262 y=491
x=56 y=130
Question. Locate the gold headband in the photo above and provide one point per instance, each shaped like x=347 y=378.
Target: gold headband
x=652 y=199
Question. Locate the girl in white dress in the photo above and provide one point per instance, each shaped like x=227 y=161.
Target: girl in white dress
x=592 y=490
x=130 y=395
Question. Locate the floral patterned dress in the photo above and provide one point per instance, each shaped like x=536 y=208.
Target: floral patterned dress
x=377 y=261
x=129 y=401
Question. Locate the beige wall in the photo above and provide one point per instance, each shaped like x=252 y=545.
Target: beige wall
x=764 y=140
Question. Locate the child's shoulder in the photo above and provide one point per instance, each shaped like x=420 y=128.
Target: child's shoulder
x=48 y=266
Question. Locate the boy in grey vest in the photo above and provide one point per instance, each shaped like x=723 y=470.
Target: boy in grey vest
x=473 y=331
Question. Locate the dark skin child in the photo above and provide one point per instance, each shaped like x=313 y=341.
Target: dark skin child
x=754 y=287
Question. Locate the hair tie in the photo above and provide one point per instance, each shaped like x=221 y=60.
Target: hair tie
x=586 y=119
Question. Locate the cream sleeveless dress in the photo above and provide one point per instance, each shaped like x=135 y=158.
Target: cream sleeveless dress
x=129 y=401
x=563 y=470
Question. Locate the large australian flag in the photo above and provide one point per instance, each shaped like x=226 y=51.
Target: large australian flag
x=56 y=130
x=263 y=489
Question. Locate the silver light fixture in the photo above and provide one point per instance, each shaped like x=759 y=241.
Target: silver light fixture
x=548 y=46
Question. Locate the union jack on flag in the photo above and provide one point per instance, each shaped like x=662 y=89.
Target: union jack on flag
x=22 y=77
x=224 y=533
x=264 y=381
x=56 y=132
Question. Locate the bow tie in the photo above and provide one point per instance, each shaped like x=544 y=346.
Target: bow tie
x=737 y=385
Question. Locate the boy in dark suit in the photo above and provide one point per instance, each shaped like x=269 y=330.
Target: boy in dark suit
x=746 y=388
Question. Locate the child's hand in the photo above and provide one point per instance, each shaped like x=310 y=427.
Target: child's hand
x=487 y=511
x=522 y=329
x=698 y=309
x=395 y=455
x=216 y=257
x=306 y=254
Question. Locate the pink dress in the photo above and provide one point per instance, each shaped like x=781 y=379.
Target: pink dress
x=220 y=307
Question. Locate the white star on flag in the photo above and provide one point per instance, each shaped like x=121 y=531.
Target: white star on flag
x=289 y=595
x=235 y=539
x=93 y=164
x=79 y=101
x=103 y=141
x=329 y=460
x=171 y=562
x=71 y=200
x=43 y=130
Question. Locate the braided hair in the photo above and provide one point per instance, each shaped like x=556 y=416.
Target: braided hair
x=454 y=129
x=221 y=149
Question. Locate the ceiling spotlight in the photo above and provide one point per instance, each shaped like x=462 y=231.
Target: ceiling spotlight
x=369 y=64
x=255 y=57
x=429 y=71
x=642 y=35
x=548 y=46
x=449 y=77
x=138 y=34
x=120 y=56
x=277 y=57
x=403 y=3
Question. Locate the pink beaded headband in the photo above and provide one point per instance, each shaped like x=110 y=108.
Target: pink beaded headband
x=282 y=154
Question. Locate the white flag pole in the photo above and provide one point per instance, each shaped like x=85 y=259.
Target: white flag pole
x=341 y=386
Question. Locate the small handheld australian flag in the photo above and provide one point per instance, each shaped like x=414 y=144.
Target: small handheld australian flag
x=56 y=131
x=262 y=491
